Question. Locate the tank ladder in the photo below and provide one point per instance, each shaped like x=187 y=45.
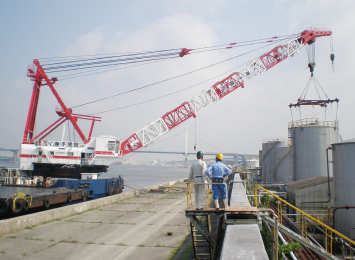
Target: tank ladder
x=201 y=247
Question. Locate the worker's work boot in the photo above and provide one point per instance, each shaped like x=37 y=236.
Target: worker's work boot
x=225 y=203
x=198 y=205
x=216 y=204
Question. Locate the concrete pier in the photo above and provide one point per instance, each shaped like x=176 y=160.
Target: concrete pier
x=132 y=225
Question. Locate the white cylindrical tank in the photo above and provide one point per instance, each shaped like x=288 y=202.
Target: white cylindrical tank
x=344 y=186
x=269 y=154
x=282 y=165
x=251 y=163
x=310 y=139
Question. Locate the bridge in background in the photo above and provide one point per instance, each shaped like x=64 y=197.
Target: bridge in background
x=14 y=152
x=235 y=156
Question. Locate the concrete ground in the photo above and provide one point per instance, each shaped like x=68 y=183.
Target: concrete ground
x=134 y=228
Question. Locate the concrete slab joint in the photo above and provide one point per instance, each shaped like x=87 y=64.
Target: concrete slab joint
x=18 y=223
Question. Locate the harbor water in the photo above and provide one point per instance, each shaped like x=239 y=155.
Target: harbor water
x=141 y=176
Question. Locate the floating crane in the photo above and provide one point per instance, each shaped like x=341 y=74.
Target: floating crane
x=69 y=159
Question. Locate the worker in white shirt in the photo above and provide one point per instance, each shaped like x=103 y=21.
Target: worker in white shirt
x=198 y=176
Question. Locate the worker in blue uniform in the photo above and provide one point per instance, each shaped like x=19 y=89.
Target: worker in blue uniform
x=219 y=172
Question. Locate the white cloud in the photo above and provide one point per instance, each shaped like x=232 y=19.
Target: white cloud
x=176 y=31
x=164 y=25
x=21 y=83
x=87 y=44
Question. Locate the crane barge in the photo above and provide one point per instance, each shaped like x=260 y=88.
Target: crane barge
x=45 y=163
x=39 y=157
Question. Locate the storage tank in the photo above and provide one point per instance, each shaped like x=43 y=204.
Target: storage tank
x=252 y=163
x=344 y=186
x=310 y=139
x=282 y=165
x=269 y=154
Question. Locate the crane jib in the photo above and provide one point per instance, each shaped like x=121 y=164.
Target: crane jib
x=219 y=90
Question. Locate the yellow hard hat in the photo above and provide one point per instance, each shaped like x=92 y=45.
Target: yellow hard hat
x=219 y=156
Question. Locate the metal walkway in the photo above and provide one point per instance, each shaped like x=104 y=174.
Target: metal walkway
x=238 y=230
x=242 y=241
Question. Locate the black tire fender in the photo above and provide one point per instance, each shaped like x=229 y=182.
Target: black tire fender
x=4 y=206
x=18 y=206
x=117 y=191
x=46 y=203
x=84 y=196
x=25 y=205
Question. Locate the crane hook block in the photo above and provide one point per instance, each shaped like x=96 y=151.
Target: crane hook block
x=332 y=57
x=184 y=52
x=311 y=66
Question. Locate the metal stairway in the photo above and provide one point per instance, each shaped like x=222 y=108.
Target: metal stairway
x=300 y=239
x=48 y=157
x=201 y=247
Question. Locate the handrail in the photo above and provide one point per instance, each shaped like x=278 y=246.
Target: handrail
x=188 y=193
x=332 y=231
x=309 y=122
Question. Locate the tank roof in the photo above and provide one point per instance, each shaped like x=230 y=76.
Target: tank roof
x=309 y=182
x=352 y=140
x=312 y=122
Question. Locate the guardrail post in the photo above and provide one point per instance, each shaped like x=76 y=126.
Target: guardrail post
x=188 y=194
x=276 y=238
x=208 y=196
x=350 y=252
x=326 y=240
x=331 y=242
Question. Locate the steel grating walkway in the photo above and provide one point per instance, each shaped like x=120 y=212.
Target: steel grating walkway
x=242 y=241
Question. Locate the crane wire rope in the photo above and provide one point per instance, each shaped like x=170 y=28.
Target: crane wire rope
x=155 y=83
x=120 y=60
x=253 y=97
x=172 y=93
x=156 y=51
x=208 y=143
x=104 y=70
x=157 y=56
x=88 y=73
x=331 y=50
x=169 y=138
x=104 y=63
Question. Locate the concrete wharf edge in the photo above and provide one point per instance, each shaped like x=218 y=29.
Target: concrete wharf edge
x=19 y=223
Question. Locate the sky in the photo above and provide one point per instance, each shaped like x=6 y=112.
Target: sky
x=237 y=123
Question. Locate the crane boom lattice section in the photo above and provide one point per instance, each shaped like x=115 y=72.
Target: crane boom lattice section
x=219 y=90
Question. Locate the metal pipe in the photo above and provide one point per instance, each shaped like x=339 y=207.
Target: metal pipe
x=270 y=184
x=186 y=148
x=285 y=243
x=266 y=175
x=335 y=209
x=276 y=240
x=329 y=195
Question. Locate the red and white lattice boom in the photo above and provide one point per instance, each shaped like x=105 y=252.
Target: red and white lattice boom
x=219 y=90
